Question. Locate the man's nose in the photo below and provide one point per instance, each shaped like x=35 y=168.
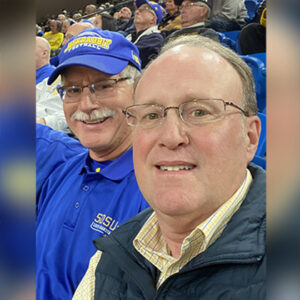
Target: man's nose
x=175 y=132
x=87 y=101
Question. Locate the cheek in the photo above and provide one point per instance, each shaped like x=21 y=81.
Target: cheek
x=69 y=109
x=142 y=145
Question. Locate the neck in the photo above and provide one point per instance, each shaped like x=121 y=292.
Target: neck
x=111 y=154
x=141 y=27
x=174 y=233
x=172 y=11
x=41 y=65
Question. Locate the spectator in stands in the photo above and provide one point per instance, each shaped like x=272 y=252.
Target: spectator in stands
x=38 y=30
x=77 y=17
x=172 y=19
x=49 y=108
x=105 y=21
x=89 y=9
x=42 y=59
x=228 y=15
x=125 y=21
x=92 y=193
x=74 y=30
x=252 y=38
x=204 y=237
x=54 y=36
x=194 y=14
x=65 y=25
x=147 y=37
x=61 y=18
x=125 y=14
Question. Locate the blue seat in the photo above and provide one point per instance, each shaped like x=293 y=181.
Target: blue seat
x=233 y=37
x=261 y=148
x=252 y=7
x=258 y=68
x=260 y=161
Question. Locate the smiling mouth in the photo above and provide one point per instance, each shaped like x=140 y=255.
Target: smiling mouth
x=176 y=168
x=95 y=121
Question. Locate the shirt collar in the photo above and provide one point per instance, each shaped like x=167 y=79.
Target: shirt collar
x=195 y=25
x=116 y=170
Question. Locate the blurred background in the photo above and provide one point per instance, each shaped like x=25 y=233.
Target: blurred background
x=17 y=140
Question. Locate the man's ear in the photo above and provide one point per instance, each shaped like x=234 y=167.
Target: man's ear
x=204 y=10
x=253 y=129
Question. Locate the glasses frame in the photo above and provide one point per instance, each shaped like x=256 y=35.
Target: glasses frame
x=191 y=4
x=146 y=8
x=165 y=109
x=91 y=86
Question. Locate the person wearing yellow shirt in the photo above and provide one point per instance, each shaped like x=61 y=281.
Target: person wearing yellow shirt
x=54 y=36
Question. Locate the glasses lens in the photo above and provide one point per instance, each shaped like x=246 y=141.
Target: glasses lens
x=144 y=115
x=201 y=111
x=103 y=87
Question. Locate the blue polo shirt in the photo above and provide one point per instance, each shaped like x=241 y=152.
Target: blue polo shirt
x=53 y=148
x=78 y=202
x=43 y=73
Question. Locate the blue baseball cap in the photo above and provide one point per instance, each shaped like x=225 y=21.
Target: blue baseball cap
x=105 y=51
x=156 y=7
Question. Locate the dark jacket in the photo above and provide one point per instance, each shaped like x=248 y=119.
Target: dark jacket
x=231 y=268
x=148 y=42
x=201 y=30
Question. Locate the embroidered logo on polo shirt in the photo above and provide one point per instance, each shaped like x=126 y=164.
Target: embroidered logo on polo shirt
x=104 y=224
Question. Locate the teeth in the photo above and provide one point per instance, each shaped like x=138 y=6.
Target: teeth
x=94 y=121
x=175 y=168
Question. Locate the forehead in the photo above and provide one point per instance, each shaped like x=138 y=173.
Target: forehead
x=195 y=72
x=145 y=5
x=80 y=73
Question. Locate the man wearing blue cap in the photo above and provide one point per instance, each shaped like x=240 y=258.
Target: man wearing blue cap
x=89 y=194
x=147 y=37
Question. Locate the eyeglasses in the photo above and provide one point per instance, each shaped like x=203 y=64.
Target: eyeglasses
x=193 y=112
x=99 y=89
x=146 y=8
x=190 y=4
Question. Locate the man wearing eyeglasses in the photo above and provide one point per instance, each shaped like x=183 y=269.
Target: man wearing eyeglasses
x=85 y=193
x=193 y=139
x=147 y=37
x=194 y=15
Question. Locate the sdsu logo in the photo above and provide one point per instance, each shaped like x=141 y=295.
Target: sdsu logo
x=104 y=224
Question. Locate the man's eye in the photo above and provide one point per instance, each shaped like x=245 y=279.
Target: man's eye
x=103 y=86
x=74 y=90
x=151 y=116
x=199 y=112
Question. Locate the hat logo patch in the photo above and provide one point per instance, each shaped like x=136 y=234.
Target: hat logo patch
x=93 y=42
x=135 y=58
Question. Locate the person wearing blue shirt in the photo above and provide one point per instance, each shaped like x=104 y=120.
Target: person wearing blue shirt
x=42 y=59
x=85 y=194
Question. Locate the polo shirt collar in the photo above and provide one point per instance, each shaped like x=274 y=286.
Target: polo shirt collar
x=116 y=170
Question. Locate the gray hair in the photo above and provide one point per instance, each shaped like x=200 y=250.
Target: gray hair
x=132 y=72
x=244 y=72
x=208 y=10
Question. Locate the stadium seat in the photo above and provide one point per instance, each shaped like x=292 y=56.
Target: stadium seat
x=233 y=36
x=252 y=7
x=258 y=68
x=261 y=148
x=260 y=161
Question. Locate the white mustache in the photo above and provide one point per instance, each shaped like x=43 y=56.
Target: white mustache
x=94 y=115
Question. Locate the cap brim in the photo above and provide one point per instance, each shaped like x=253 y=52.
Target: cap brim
x=105 y=64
